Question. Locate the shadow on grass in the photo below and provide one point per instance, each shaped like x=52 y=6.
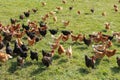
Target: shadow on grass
x=41 y=69
x=83 y=71
x=13 y=67
x=62 y=61
x=115 y=69
x=56 y=57
x=98 y=61
x=118 y=45
x=104 y=30
x=82 y=48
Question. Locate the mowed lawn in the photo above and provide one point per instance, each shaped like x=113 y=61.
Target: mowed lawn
x=62 y=67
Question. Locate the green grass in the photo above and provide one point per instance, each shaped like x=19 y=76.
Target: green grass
x=63 y=68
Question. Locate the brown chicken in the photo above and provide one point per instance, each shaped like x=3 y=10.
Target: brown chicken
x=55 y=18
x=4 y=57
x=61 y=49
x=75 y=37
x=56 y=40
x=110 y=53
x=43 y=3
x=31 y=41
x=65 y=38
x=64 y=1
x=19 y=42
x=103 y=13
x=66 y=23
x=69 y=51
x=54 y=45
x=78 y=12
x=52 y=13
x=59 y=8
x=107 y=26
x=19 y=34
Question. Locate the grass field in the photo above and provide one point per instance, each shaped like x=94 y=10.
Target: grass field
x=63 y=68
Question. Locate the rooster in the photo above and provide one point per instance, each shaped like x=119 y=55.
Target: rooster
x=61 y=49
x=89 y=61
x=4 y=57
x=69 y=51
x=118 y=61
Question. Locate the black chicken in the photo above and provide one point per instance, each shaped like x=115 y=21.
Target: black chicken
x=30 y=34
x=27 y=14
x=45 y=53
x=87 y=41
x=92 y=10
x=34 y=10
x=17 y=49
x=109 y=37
x=71 y=7
x=1 y=45
x=26 y=27
x=47 y=61
x=65 y=32
x=8 y=49
x=42 y=32
x=7 y=37
x=42 y=24
x=23 y=55
x=89 y=62
x=13 y=21
x=53 y=31
x=34 y=55
x=24 y=47
x=118 y=61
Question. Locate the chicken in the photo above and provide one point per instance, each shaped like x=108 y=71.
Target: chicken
x=57 y=40
x=13 y=21
x=26 y=27
x=87 y=41
x=107 y=26
x=24 y=47
x=53 y=31
x=34 y=55
x=61 y=49
x=110 y=53
x=100 y=48
x=55 y=18
x=69 y=51
x=47 y=58
x=43 y=3
x=45 y=53
x=20 y=61
x=89 y=62
x=27 y=14
x=71 y=7
x=34 y=10
x=65 y=38
x=118 y=61
x=116 y=9
x=31 y=41
x=7 y=37
x=47 y=61
x=64 y=1
x=42 y=24
x=4 y=57
x=92 y=10
x=78 y=12
x=99 y=54
x=66 y=32
x=19 y=42
x=19 y=34
x=9 y=50
x=66 y=23
x=103 y=13
x=52 y=13
x=59 y=8
x=43 y=32
x=54 y=45
x=75 y=37
x=21 y=17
